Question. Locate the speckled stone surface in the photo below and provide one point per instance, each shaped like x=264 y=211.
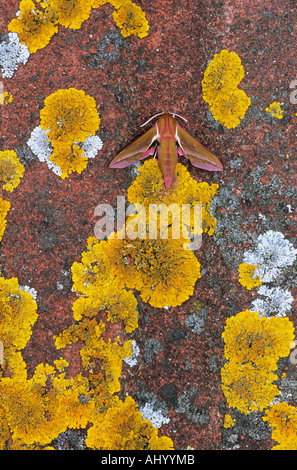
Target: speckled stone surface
x=132 y=79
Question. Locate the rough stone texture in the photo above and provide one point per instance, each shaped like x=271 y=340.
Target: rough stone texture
x=50 y=219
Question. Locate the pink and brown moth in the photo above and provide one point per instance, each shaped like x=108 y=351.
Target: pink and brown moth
x=167 y=140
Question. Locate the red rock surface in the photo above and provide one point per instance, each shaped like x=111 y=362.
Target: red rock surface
x=50 y=218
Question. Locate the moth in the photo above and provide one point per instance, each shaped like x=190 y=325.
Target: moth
x=167 y=140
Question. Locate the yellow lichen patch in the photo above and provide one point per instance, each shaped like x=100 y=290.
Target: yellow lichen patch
x=18 y=312
x=122 y=427
x=36 y=410
x=253 y=346
x=5 y=98
x=11 y=170
x=275 y=110
x=248 y=387
x=110 y=354
x=71 y=13
x=69 y=158
x=69 y=116
x=230 y=108
x=246 y=276
x=149 y=189
x=223 y=74
x=4 y=208
x=130 y=18
x=34 y=27
x=228 y=421
x=249 y=337
x=227 y=103
x=163 y=272
x=94 y=281
x=282 y=418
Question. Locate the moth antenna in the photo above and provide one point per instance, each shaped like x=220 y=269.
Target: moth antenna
x=150 y=119
x=184 y=119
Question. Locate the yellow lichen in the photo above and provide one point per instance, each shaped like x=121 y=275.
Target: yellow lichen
x=163 y=272
x=223 y=74
x=71 y=13
x=69 y=158
x=122 y=427
x=110 y=353
x=34 y=27
x=275 y=110
x=5 y=98
x=253 y=346
x=18 y=312
x=36 y=410
x=69 y=116
x=249 y=337
x=246 y=276
x=230 y=108
x=228 y=422
x=282 y=418
x=4 y=208
x=249 y=387
x=227 y=103
x=11 y=170
x=94 y=281
x=149 y=189
x=130 y=18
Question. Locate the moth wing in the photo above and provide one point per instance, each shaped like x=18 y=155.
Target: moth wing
x=198 y=155
x=139 y=149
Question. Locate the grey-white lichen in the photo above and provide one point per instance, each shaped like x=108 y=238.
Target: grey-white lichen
x=91 y=145
x=155 y=417
x=30 y=290
x=42 y=148
x=272 y=253
x=12 y=53
x=272 y=300
x=132 y=360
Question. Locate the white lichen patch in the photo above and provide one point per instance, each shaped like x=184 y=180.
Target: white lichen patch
x=30 y=290
x=273 y=300
x=42 y=148
x=132 y=360
x=155 y=417
x=12 y=53
x=91 y=146
x=273 y=252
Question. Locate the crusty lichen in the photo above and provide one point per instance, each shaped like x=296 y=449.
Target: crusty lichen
x=282 y=418
x=228 y=104
x=253 y=346
x=70 y=13
x=247 y=276
x=18 y=312
x=122 y=427
x=162 y=270
x=11 y=170
x=38 y=21
x=130 y=18
x=4 y=208
x=69 y=116
x=148 y=188
x=275 y=110
x=34 y=27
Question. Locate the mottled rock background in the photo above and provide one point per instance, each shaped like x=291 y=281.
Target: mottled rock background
x=181 y=349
